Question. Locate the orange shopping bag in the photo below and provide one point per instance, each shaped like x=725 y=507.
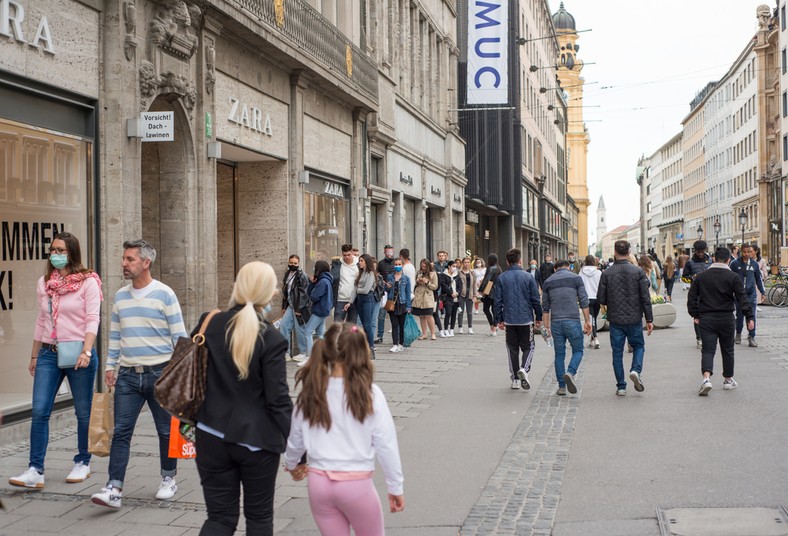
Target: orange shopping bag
x=179 y=447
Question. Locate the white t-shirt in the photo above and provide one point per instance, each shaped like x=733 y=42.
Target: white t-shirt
x=409 y=270
x=349 y=445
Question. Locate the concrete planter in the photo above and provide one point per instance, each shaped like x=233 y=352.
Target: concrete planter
x=664 y=317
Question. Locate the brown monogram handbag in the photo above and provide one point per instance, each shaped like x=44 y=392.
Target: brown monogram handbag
x=181 y=388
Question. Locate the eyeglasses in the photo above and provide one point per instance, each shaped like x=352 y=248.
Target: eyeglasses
x=58 y=250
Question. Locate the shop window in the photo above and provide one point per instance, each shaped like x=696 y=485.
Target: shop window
x=327 y=227
x=44 y=180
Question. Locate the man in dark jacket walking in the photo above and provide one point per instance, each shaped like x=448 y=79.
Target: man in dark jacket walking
x=385 y=269
x=623 y=288
x=750 y=273
x=547 y=268
x=517 y=309
x=696 y=265
x=710 y=303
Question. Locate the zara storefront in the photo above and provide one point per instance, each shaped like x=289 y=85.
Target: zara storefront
x=49 y=88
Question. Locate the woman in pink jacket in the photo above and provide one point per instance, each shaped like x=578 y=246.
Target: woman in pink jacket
x=69 y=301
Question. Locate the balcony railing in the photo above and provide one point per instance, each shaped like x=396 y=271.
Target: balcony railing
x=309 y=31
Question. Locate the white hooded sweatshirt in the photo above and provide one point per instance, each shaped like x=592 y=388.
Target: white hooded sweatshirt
x=591 y=276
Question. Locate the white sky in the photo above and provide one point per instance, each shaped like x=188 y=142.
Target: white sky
x=651 y=58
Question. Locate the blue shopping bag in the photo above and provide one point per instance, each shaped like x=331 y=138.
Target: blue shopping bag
x=412 y=331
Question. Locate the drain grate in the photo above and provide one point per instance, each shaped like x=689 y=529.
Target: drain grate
x=723 y=521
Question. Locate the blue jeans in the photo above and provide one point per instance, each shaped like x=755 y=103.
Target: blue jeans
x=132 y=390
x=378 y=323
x=634 y=334
x=572 y=331
x=367 y=308
x=753 y=299
x=381 y=320
x=286 y=326
x=45 y=386
x=316 y=325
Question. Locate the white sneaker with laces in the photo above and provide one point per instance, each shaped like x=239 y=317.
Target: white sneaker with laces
x=729 y=384
x=460 y=331
x=470 y=331
x=705 y=387
x=394 y=349
x=299 y=358
x=109 y=496
x=302 y=363
x=167 y=488
x=79 y=473
x=596 y=343
x=401 y=348
x=443 y=333
x=29 y=479
x=515 y=384
x=451 y=333
x=523 y=376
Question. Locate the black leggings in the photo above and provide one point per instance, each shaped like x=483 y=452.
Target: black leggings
x=488 y=304
x=669 y=287
x=437 y=317
x=593 y=310
x=449 y=314
x=397 y=328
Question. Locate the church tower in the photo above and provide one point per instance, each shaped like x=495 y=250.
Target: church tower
x=601 y=220
x=577 y=138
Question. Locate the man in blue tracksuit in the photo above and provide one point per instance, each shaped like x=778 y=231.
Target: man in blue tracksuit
x=750 y=273
x=517 y=308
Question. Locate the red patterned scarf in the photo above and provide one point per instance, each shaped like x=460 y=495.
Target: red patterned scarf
x=57 y=285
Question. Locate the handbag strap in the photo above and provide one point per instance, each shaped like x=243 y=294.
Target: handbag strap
x=199 y=337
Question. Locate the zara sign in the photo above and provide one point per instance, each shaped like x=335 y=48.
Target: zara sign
x=12 y=15
x=488 y=24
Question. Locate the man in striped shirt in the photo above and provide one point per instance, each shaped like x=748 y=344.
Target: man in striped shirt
x=146 y=324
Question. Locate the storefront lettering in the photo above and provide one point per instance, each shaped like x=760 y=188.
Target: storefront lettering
x=405 y=179
x=249 y=117
x=435 y=191
x=23 y=241
x=12 y=14
x=332 y=188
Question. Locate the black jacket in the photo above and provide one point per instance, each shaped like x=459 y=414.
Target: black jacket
x=298 y=297
x=715 y=292
x=623 y=288
x=385 y=267
x=546 y=270
x=695 y=266
x=444 y=286
x=255 y=411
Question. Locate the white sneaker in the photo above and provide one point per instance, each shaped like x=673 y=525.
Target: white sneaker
x=29 y=479
x=460 y=331
x=302 y=363
x=451 y=333
x=596 y=343
x=705 y=387
x=109 y=496
x=79 y=473
x=394 y=349
x=401 y=348
x=167 y=488
x=299 y=358
x=470 y=331
x=442 y=333
x=729 y=384
x=287 y=356
x=523 y=376
x=515 y=384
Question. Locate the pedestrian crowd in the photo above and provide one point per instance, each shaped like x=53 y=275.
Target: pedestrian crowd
x=340 y=421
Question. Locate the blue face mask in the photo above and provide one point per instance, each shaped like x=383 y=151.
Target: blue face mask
x=58 y=260
x=398 y=268
x=267 y=308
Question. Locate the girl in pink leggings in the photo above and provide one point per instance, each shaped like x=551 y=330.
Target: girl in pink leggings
x=341 y=419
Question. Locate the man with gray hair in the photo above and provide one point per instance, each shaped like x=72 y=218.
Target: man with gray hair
x=146 y=323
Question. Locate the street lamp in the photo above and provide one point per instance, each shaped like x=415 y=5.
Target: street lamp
x=743 y=223
x=700 y=232
x=717 y=228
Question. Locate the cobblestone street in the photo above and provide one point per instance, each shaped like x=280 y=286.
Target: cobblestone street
x=480 y=458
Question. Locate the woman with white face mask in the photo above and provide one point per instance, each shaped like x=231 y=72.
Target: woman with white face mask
x=478 y=271
x=533 y=269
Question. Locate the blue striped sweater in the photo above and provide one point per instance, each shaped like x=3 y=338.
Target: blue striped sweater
x=144 y=331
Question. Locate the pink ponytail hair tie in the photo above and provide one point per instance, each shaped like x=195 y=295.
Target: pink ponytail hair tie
x=354 y=329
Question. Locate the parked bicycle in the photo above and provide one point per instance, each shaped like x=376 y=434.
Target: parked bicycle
x=777 y=287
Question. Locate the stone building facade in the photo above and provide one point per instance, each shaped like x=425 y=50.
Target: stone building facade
x=295 y=126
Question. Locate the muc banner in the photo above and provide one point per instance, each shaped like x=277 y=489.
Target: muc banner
x=488 y=23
